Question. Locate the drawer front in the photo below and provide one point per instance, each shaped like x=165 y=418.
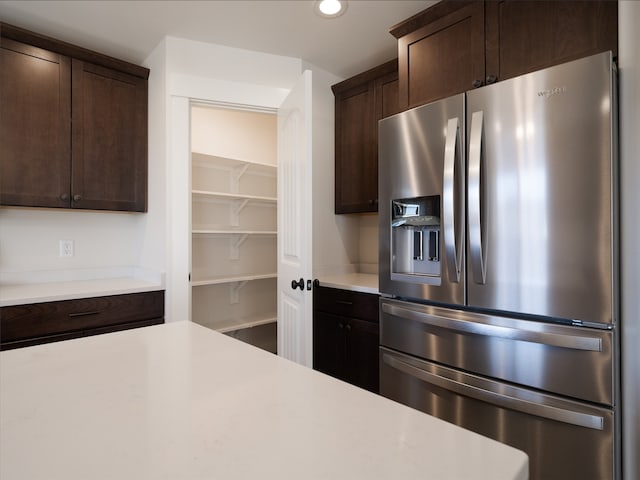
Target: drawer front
x=573 y=361
x=346 y=303
x=51 y=318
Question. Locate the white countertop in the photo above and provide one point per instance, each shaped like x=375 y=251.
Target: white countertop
x=179 y=401
x=40 y=286
x=358 y=282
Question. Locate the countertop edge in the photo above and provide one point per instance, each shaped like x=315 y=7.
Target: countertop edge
x=356 y=282
x=12 y=294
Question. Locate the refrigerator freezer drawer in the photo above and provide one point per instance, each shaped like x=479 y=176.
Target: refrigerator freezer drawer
x=571 y=361
x=563 y=438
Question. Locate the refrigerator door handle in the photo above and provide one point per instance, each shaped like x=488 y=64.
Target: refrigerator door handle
x=498 y=399
x=477 y=230
x=452 y=164
x=575 y=342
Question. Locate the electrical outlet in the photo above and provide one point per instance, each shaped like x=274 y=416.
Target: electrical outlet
x=66 y=248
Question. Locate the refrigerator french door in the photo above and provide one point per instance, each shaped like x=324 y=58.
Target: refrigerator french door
x=498 y=265
x=541 y=208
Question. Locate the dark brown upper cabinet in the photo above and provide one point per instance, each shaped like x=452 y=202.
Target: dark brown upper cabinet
x=73 y=126
x=360 y=102
x=456 y=46
x=109 y=139
x=440 y=52
x=524 y=36
x=35 y=126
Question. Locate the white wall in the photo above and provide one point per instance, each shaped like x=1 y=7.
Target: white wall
x=29 y=239
x=629 y=81
x=238 y=134
x=368 y=243
x=335 y=237
x=153 y=227
x=229 y=76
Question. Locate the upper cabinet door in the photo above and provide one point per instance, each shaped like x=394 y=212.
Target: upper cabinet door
x=356 y=159
x=360 y=102
x=35 y=123
x=440 y=52
x=524 y=36
x=109 y=153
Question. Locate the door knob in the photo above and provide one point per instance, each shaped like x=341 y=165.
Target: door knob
x=298 y=284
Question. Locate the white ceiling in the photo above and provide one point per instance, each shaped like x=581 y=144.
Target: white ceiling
x=130 y=30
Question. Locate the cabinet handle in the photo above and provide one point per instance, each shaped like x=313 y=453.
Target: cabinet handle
x=348 y=327
x=340 y=326
x=477 y=83
x=295 y=284
x=64 y=197
x=77 y=198
x=344 y=302
x=84 y=314
x=491 y=79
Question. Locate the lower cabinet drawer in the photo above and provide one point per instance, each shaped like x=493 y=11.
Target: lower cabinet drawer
x=346 y=302
x=78 y=317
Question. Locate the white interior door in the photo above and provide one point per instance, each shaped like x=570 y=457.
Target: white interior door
x=295 y=313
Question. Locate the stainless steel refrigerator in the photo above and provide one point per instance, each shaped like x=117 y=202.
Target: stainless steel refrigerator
x=498 y=265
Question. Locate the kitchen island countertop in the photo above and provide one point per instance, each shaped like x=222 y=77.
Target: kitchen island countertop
x=181 y=401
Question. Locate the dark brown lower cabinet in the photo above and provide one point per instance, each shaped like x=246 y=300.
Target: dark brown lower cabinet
x=346 y=336
x=36 y=323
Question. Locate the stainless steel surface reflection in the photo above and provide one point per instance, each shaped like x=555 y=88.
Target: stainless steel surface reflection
x=516 y=334
x=412 y=151
x=571 y=361
x=563 y=438
x=546 y=183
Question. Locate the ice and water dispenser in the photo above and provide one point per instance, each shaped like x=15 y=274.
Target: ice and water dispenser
x=415 y=239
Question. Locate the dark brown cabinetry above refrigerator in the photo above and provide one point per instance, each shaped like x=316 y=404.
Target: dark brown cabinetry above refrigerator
x=73 y=126
x=360 y=102
x=456 y=46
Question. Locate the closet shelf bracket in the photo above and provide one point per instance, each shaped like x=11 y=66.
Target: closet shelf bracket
x=234 y=291
x=236 y=175
x=236 y=208
x=235 y=242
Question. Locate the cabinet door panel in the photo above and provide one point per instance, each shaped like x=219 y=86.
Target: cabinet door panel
x=357 y=169
x=442 y=58
x=362 y=354
x=329 y=345
x=361 y=101
x=388 y=88
x=524 y=36
x=109 y=153
x=35 y=138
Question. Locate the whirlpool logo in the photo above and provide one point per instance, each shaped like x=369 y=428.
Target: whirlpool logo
x=550 y=92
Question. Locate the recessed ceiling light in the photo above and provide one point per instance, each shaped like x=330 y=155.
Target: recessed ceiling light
x=330 y=8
